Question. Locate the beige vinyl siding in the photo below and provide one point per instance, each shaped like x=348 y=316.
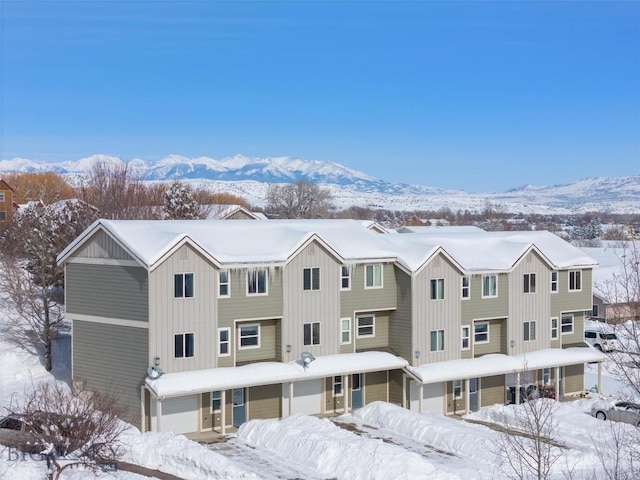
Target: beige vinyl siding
x=574 y=379
x=396 y=378
x=101 y=245
x=267 y=350
x=308 y=306
x=334 y=404
x=456 y=406
x=565 y=301
x=170 y=316
x=206 y=417
x=265 y=402
x=375 y=387
x=527 y=307
x=431 y=315
x=493 y=390
x=112 y=359
x=400 y=320
x=359 y=298
x=478 y=307
x=497 y=338
x=381 y=331
x=240 y=306
x=110 y=291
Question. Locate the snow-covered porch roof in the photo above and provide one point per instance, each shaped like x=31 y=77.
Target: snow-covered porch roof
x=267 y=373
x=499 y=364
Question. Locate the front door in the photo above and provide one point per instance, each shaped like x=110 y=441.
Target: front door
x=239 y=407
x=356 y=391
x=474 y=394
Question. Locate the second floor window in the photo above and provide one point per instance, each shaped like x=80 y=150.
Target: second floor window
x=345 y=330
x=257 y=282
x=575 y=280
x=1 y=196
x=481 y=332
x=344 y=278
x=366 y=326
x=249 y=336
x=465 y=334
x=554 y=282
x=437 y=340
x=224 y=341
x=567 y=323
x=529 y=283
x=373 y=276
x=183 y=345
x=465 y=287
x=183 y=285
x=529 y=331
x=311 y=278
x=223 y=283
x=312 y=333
x=489 y=286
x=437 y=289
x=554 y=328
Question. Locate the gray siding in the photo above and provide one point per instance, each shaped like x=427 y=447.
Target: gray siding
x=574 y=379
x=578 y=331
x=456 y=405
x=492 y=390
x=497 y=339
x=265 y=401
x=375 y=387
x=400 y=321
x=111 y=358
x=359 y=298
x=395 y=386
x=240 y=306
x=268 y=332
x=566 y=301
x=101 y=245
x=110 y=291
x=381 y=331
x=478 y=307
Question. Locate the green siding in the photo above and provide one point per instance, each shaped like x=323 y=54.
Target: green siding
x=111 y=358
x=359 y=298
x=577 y=336
x=242 y=306
x=381 y=331
x=110 y=291
x=478 y=307
x=565 y=301
x=456 y=405
x=400 y=321
x=206 y=417
x=395 y=387
x=497 y=339
x=265 y=401
x=492 y=390
x=375 y=387
x=333 y=404
x=101 y=245
x=267 y=350
x=574 y=379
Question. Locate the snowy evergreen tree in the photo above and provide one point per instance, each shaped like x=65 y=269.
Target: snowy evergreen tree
x=179 y=204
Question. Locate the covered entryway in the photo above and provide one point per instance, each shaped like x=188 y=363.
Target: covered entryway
x=180 y=414
x=239 y=406
x=356 y=391
x=474 y=394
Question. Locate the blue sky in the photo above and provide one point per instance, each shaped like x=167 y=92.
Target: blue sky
x=484 y=95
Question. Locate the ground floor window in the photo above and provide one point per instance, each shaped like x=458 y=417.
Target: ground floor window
x=457 y=389
x=567 y=323
x=337 y=386
x=216 y=402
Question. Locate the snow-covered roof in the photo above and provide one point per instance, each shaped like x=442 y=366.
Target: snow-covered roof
x=500 y=364
x=223 y=212
x=610 y=264
x=266 y=373
x=439 y=229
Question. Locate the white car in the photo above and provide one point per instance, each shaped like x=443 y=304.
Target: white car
x=626 y=412
x=603 y=341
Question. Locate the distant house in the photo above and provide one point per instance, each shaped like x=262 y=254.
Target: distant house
x=440 y=229
x=7 y=203
x=232 y=212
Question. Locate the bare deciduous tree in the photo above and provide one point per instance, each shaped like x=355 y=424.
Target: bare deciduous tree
x=299 y=200
x=619 y=454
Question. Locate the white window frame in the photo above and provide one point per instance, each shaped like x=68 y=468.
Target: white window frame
x=227 y=342
x=184 y=345
x=314 y=273
x=343 y=330
x=562 y=324
x=554 y=283
x=439 y=343
x=465 y=288
x=475 y=333
x=467 y=337
x=184 y=285
x=546 y=372
x=221 y=284
x=345 y=274
x=555 y=329
x=338 y=380
x=311 y=335
x=577 y=275
x=436 y=287
x=213 y=399
x=256 y=273
x=527 y=330
x=240 y=336
x=484 y=293
x=457 y=385
x=529 y=283
x=372 y=326
x=374 y=267
x=2 y=197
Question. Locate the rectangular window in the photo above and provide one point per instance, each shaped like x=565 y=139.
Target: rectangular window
x=249 y=336
x=481 y=332
x=366 y=326
x=594 y=310
x=337 y=386
x=1 y=196
x=224 y=341
x=311 y=333
x=546 y=376
x=437 y=289
x=489 y=286
x=567 y=323
x=345 y=330
x=345 y=280
x=437 y=340
x=529 y=331
x=183 y=285
x=311 y=279
x=373 y=276
x=465 y=334
x=465 y=287
x=223 y=289
x=216 y=402
x=3 y=215
x=457 y=389
x=183 y=345
x=554 y=282
x=554 y=328
x=575 y=280
x=529 y=283
x=257 y=282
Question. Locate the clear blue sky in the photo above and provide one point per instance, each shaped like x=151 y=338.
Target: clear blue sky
x=481 y=96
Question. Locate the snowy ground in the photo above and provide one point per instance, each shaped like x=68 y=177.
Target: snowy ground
x=379 y=441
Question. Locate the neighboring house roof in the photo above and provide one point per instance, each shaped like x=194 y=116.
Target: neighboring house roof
x=7 y=186
x=223 y=212
x=440 y=229
x=373 y=226
x=611 y=261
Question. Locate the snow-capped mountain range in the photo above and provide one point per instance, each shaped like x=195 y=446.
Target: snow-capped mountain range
x=250 y=177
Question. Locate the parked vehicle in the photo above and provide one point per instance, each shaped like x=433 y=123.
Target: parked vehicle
x=626 y=412
x=602 y=340
x=15 y=433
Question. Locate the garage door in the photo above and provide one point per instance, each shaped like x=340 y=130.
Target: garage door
x=307 y=397
x=180 y=414
x=432 y=397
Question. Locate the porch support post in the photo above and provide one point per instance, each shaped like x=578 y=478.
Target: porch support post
x=290 y=398
x=223 y=411
x=517 y=388
x=420 y=395
x=144 y=414
x=599 y=377
x=557 y=379
x=404 y=392
x=467 y=400
x=159 y=413
x=347 y=397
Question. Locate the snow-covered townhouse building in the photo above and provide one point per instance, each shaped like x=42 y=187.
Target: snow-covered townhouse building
x=202 y=325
